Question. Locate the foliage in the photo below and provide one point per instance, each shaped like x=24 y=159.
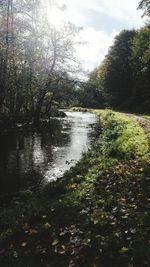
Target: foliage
x=90 y=94
x=141 y=69
x=145 y=5
x=117 y=78
x=123 y=79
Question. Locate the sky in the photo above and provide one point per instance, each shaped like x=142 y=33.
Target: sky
x=101 y=20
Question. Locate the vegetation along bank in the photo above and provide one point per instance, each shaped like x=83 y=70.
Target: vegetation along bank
x=96 y=215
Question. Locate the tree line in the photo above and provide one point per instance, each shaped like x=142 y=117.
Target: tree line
x=122 y=81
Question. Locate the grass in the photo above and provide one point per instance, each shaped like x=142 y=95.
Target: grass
x=146 y=116
x=95 y=216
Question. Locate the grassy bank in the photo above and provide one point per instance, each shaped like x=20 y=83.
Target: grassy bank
x=146 y=116
x=95 y=216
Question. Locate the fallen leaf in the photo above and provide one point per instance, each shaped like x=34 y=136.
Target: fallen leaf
x=62 y=249
x=24 y=244
x=32 y=232
x=55 y=242
x=25 y=226
x=47 y=225
x=124 y=249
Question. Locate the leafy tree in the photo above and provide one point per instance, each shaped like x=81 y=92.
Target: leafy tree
x=141 y=70
x=145 y=6
x=124 y=76
x=116 y=71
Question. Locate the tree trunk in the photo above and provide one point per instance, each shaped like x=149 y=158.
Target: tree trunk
x=37 y=112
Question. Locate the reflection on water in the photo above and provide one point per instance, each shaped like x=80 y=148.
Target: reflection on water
x=28 y=157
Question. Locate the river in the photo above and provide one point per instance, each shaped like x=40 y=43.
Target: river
x=29 y=157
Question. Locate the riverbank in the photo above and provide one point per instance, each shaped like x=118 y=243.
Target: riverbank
x=95 y=216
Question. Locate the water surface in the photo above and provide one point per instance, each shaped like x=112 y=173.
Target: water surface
x=28 y=157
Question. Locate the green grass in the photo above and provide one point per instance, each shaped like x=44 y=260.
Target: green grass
x=124 y=135
x=146 y=116
x=95 y=216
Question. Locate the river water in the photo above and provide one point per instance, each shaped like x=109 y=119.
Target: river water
x=29 y=157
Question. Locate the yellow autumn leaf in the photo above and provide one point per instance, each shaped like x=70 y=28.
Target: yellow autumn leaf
x=47 y=225
x=124 y=249
x=55 y=242
x=62 y=249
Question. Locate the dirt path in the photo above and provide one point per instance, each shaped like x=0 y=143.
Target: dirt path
x=145 y=123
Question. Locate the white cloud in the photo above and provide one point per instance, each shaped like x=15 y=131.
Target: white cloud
x=99 y=18
x=122 y=10
x=95 y=47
